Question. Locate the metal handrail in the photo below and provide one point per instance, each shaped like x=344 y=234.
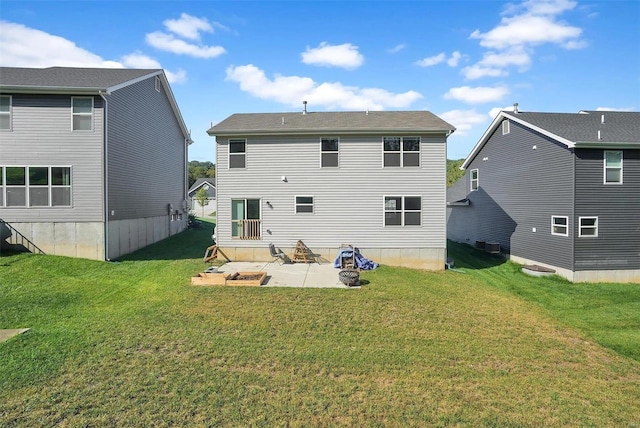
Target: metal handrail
x=20 y=239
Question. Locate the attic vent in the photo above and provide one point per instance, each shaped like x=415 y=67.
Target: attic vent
x=304 y=107
x=602 y=119
x=599 y=135
x=157 y=84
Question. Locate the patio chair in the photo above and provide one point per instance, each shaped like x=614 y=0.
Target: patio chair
x=278 y=255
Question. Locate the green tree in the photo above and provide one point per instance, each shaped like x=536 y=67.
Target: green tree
x=203 y=198
x=454 y=173
x=201 y=170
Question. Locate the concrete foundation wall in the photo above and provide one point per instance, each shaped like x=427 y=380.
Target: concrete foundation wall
x=84 y=240
x=127 y=236
x=619 y=276
x=418 y=258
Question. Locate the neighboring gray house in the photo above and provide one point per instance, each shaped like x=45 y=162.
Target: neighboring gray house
x=93 y=162
x=376 y=180
x=561 y=190
x=209 y=184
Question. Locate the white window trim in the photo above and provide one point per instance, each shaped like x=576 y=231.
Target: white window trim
x=471 y=179
x=27 y=186
x=83 y=114
x=580 y=227
x=605 y=168
x=566 y=226
x=323 y=152
x=401 y=151
x=402 y=211
x=235 y=140
x=506 y=127
x=9 y=113
x=296 y=204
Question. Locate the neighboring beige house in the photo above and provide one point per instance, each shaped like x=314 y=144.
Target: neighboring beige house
x=375 y=180
x=93 y=162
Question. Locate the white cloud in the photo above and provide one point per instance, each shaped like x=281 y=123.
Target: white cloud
x=526 y=30
x=397 y=48
x=21 y=46
x=477 y=95
x=345 y=56
x=432 y=60
x=454 y=59
x=523 y=27
x=291 y=90
x=139 y=60
x=476 y=72
x=616 y=109
x=496 y=110
x=167 y=42
x=463 y=120
x=188 y=26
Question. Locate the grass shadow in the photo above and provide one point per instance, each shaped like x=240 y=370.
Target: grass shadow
x=466 y=256
x=190 y=244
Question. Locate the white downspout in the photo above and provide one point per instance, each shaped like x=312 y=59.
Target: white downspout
x=105 y=177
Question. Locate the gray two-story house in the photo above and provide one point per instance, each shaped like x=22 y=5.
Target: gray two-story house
x=93 y=162
x=560 y=190
x=374 y=180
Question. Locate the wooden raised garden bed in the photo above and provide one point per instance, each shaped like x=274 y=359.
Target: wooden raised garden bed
x=255 y=279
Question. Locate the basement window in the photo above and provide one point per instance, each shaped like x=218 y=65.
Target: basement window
x=560 y=225
x=588 y=227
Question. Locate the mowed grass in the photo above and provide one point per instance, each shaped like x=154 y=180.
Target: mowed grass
x=133 y=344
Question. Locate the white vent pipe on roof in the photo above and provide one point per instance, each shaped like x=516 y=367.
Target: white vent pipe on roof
x=304 y=108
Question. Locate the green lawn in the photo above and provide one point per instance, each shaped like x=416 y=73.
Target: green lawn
x=133 y=344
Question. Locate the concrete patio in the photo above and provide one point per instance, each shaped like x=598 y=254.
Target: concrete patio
x=304 y=275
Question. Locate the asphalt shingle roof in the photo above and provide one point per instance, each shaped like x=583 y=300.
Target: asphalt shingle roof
x=618 y=126
x=69 y=77
x=285 y=123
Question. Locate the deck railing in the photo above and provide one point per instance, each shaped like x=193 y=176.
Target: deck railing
x=249 y=229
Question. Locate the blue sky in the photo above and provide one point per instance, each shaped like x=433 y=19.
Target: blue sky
x=462 y=60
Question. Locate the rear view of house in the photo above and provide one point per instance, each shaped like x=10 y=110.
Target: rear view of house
x=92 y=161
x=376 y=180
x=561 y=190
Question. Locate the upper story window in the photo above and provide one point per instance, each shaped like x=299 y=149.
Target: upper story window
x=613 y=167
x=35 y=186
x=401 y=151
x=402 y=210
x=5 y=112
x=506 y=127
x=560 y=225
x=82 y=111
x=329 y=152
x=304 y=204
x=588 y=226
x=475 y=179
x=237 y=153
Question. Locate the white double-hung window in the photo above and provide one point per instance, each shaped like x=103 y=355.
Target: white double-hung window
x=613 y=167
x=560 y=225
x=5 y=112
x=82 y=112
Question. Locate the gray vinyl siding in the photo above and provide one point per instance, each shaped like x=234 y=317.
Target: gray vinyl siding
x=520 y=189
x=146 y=153
x=617 y=207
x=348 y=200
x=41 y=135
